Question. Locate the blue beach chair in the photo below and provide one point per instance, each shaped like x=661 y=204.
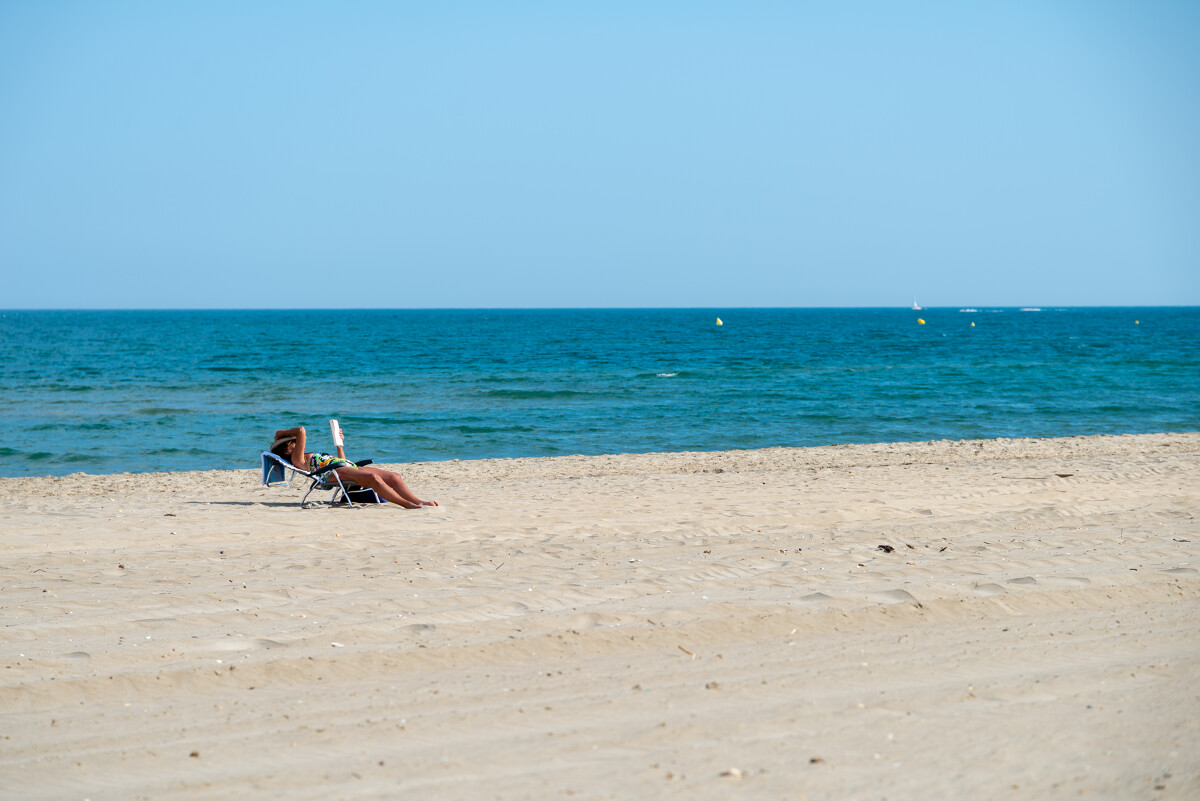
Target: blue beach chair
x=275 y=472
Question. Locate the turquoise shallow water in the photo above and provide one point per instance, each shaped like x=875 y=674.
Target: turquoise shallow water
x=104 y=392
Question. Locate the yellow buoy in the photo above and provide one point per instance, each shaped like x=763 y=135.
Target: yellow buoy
x=719 y=321
x=920 y=321
x=1137 y=322
x=972 y=325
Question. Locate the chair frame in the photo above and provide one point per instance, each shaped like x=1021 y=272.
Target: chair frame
x=319 y=479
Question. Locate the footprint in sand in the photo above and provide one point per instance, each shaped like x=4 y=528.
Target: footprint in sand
x=583 y=621
x=1023 y=580
x=1070 y=581
x=239 y=644
x=816 y=598
x=987 y=590
x=268 y=644
x=513 y=606
x=894 y=597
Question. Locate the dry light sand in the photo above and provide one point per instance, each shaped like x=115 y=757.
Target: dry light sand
x=720 y=625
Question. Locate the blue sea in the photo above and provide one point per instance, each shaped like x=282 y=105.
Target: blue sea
x=114 y=391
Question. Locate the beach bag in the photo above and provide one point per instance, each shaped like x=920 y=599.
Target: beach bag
x=363 y=495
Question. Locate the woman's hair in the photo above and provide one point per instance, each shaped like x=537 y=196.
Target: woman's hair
x=280 y=450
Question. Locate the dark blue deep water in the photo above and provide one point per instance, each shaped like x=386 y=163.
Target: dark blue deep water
x=110 y=391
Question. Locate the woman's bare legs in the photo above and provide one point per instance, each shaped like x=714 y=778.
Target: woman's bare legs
x=397 y=483
x=389 y=485
x=394 y=481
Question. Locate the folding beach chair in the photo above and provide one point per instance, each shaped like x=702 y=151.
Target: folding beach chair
x=275 y=472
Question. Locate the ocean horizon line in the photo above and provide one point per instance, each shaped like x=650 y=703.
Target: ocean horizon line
x=954 y=307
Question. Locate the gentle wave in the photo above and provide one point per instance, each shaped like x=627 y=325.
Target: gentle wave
x=67 y=426
x=536 y=394
x=489 y=429
x=348 y=419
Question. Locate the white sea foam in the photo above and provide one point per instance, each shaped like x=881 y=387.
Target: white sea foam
x=666 y=375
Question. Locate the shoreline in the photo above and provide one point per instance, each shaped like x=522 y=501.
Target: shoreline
x=912 y=620
x=1001 y=445
x=837 y=455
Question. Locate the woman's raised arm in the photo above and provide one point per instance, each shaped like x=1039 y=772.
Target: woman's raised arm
x=298 y=451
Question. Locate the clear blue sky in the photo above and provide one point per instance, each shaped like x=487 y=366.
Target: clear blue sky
x=278 y=155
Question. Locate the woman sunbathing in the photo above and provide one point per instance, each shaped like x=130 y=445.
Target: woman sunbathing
x=289 y=444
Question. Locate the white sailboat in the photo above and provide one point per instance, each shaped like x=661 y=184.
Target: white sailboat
x=915 y=307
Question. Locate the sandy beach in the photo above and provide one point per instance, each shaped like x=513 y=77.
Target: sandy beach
x=974 y=619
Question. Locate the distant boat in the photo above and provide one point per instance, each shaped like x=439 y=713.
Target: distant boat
x=1030 y=308
x=915 y=307
x=968 y=309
